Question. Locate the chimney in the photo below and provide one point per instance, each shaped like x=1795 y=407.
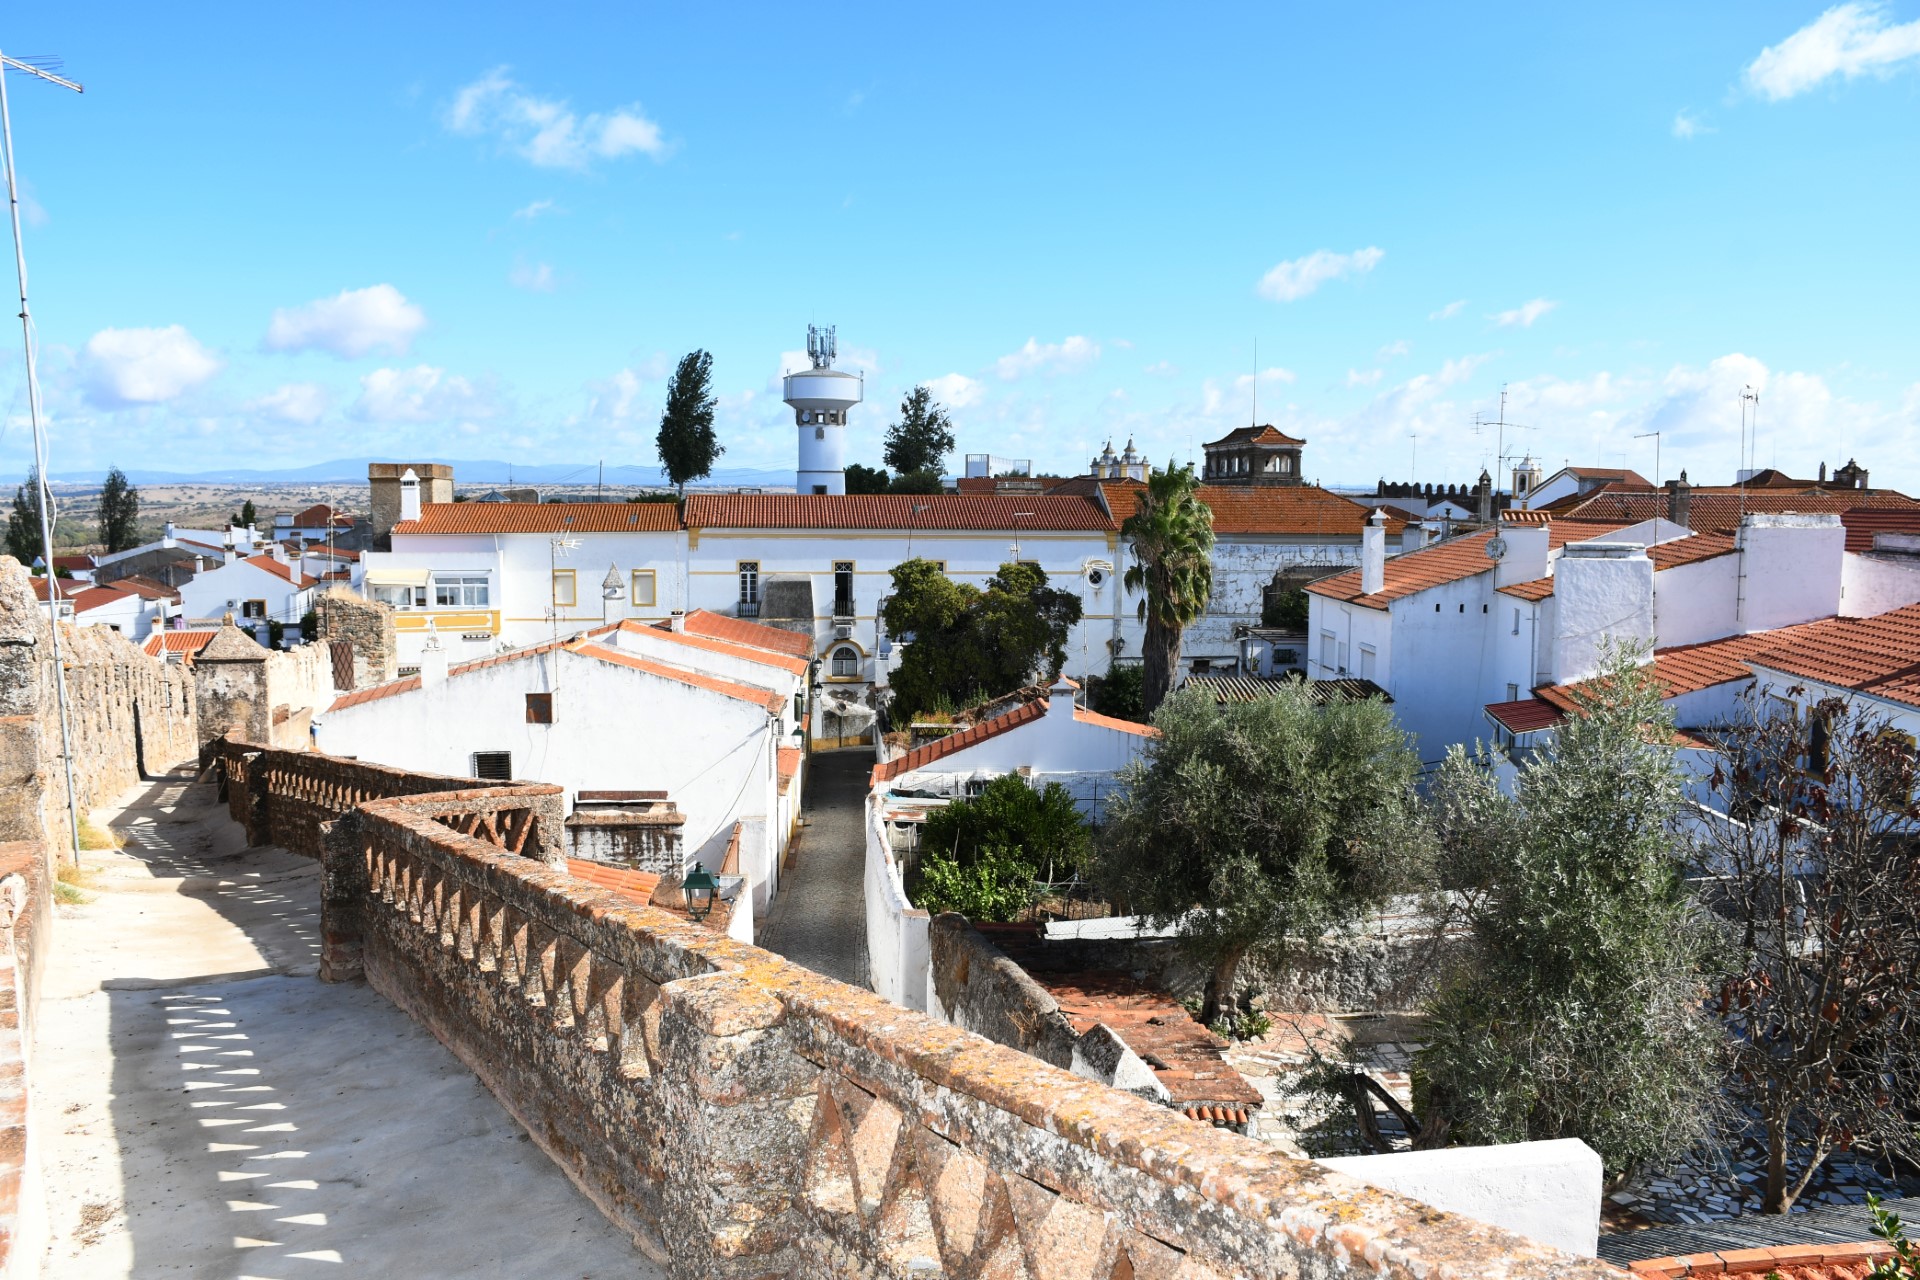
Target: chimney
x=1680 y=499
x=1373 y=553
x=433 y=664
x=409 y=495
x=1602 y=592
x=1485 y=491
x=677 y=620
x=166 y=535
x=1823 y=473
x=1060 y=698
x=613 y=592
x=226 y=551
x=1527 y=556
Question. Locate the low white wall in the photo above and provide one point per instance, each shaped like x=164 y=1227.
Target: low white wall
x=897 y=951
x=1549 y=1191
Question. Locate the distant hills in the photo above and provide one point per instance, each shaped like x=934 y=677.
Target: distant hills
x=465 y=474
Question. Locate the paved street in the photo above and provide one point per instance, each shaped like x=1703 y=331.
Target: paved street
x=208 y=1107
x=819 y=918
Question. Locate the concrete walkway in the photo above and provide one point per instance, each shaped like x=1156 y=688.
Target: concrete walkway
x=819 y=918
x=208 y=1107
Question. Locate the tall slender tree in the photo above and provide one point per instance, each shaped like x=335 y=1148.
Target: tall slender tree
x=686 y=442
x=119 y=512
x=23 y=522
x=246 y=515
x=1171 y=533
x=923 y=437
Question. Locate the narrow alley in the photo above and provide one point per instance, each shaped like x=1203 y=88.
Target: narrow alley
x=819 y=917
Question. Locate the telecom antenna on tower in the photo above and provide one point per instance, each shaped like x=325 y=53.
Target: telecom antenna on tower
x=821 y=397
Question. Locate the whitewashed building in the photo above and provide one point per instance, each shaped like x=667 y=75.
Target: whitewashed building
x=255 y=589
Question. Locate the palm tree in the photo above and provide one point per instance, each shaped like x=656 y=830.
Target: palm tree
x=1172 y=537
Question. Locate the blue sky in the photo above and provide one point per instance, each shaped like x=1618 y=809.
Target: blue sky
x=268 y=237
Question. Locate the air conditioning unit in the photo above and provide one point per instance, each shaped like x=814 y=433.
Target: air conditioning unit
x=843 y=631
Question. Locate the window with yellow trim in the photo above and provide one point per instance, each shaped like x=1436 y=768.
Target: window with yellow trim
x=564 y=595
x=643 y=586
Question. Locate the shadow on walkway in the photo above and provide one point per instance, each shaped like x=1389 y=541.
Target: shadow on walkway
x=819 y=917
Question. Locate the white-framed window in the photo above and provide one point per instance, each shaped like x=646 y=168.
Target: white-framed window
x=1366 y=662
x=749 y=582
x=1329 y=650
x=460 y=591
x=643 y=588
x=565 y=591
x=843 y=588
x=845 y=662
x=401 y=596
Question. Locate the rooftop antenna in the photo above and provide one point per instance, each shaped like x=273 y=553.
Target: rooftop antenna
x=1254 y=420
x=1413 y=465
x=1656 y=453
x=54 y=594
x=1748 y=396
x=1500 y=424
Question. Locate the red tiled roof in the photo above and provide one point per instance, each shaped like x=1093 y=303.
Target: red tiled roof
x=638 y=885
x=319 y=513
x=1689 y=668
x=1450 y=561
x=772 y=701
x=1863 y=522
x=1701 y=546
x=1879 y=656
x=1085 y=716
x=1025 y=512
x=1784 y=1262
x=1153 y=1024
x=405 y=684
x=88 y=599
x=1606 y=473
x=1267 y=435
x=146 y=587
x=543 y=517
x=920 y=757
x=187 y=642
x=287 y=571
x=787 y=764
x=754 y=635
x=746 y=653
x=1526 y=714
x=1536 y=589
x=71 y=563
x=1718 y=509
x=1539 y=515
x=1283 y=509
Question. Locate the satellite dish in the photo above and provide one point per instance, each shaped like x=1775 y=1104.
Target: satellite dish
x=1496 y=547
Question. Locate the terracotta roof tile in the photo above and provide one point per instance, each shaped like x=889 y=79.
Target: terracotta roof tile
x=1863 y=522
x=146 y=587
x=1265 y=434
x=188 y=642
x=920 y=757
x=543 y=517
x=1085 y=716
x=1026 y=512
x=1607 y=473
x=707 y=644
x=754 y=635
x=638 y=885
x=1537 y=589
x=1718 y=509
x=772 y=701
x=787 y=764
x=284 y=571
x=1526 y=714
x=1186 y=1058
x=1701 y=546
x=1451 y=561
x=1780 y=1262
x=1879 y=656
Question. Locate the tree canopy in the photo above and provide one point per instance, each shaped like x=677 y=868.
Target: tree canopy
x=862 y=479
x=1171 y=534
x=687 y=444
x=965 y=644
x=23 y=522
x=923 y=437
x=982 y=856
x=119 y=512
x=1257 y=826
x=246 y=515
x=1578 y=1013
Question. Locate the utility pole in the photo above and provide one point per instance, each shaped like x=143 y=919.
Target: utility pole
x=40 y=439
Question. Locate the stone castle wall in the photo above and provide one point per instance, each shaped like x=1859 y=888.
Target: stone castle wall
x=128 y=713
x=366 y=627
x=743 y=1117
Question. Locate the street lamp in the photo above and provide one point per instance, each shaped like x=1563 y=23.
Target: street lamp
x=699 y=886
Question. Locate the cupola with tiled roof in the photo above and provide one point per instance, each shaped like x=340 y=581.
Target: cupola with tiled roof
x=1257 y=455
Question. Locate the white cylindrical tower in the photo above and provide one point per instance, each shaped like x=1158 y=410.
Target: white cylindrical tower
x=820 y=397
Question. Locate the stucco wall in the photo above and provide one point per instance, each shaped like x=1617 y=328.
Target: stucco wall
x=1873 y=584
x=897 y=947
x=1549 y=1191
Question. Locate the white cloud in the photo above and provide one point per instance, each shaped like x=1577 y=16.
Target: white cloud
x=127 y=367
x=1449 y=311
x=534 y=277
x=546 y=131
x=1395 y=349
x=1359 y=378
x=351 y=324
x=1295 y=279
x=1161 y=369
x=1687 y=126
x=1524 y=315
x=617 y=399
x=420 y=394
x=1275 y=376
x=955 y=390
x=1848 y=40
x=1050 y=357
x=539 y=208
x=301 y=403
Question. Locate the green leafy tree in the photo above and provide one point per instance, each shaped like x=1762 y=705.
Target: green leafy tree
x=1171 y=533
x=23 y=522
x=1578 y=1014
x=866 y=479
x=923 y=437
x=1118 y=692
x=1284 y=608
x=917 y=482
x=119 y=512
x=246 y=516
x=965 y=644
x=1258 y=826
x=686 y=442
x=981 y=856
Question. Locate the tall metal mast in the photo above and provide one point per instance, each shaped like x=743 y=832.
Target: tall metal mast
x=45 y=496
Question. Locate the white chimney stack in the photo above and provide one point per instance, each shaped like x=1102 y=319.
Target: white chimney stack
x=1373 y=553
x=433 y=664
x=409 y=495
x=677 y=620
